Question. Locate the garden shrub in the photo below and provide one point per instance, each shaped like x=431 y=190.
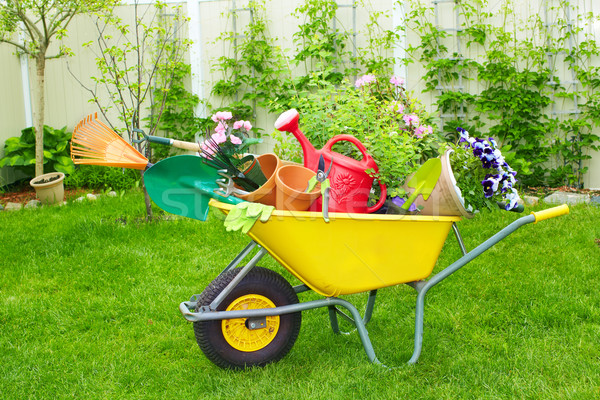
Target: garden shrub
x=19 y=152
x=97 y=177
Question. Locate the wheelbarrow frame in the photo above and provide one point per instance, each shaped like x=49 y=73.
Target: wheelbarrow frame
x=194 y=313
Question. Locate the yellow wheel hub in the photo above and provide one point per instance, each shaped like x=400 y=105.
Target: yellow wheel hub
x=238 y=335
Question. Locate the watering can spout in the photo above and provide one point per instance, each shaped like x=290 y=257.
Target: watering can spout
x=288 y=122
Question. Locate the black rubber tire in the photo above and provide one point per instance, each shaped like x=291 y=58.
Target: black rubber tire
x=259 y=281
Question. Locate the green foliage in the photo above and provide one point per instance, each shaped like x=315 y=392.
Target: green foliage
x=97 y=177
x=138 y=57
x=253 y=72
x=19 y=152
x=321 y=50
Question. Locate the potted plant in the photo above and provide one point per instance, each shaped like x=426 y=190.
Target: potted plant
x=49 y=187
x=475 y=176
x=224 y=150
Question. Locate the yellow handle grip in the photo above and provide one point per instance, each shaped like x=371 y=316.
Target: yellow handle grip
x=551 y=213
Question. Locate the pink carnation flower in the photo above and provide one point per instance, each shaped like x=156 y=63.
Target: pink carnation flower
x=235 y=140
x=242 y=124
x=221 y=127
x=219 y=137
x=206 y=151
x=222 y=116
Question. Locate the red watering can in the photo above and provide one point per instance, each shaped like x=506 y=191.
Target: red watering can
x=350 y=184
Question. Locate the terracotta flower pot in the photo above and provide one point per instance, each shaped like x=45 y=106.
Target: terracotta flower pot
x=445 y=199
x=269 y=163
x=49 y=188
x=291 y=185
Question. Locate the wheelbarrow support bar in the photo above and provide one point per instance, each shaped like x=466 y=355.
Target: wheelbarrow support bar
x=423 y=286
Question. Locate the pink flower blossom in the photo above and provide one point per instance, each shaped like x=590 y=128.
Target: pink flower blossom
x=397 y=107
x=242 y=124
x=411 y=120
x=235 y=140
x=221 y=116
x=394 y=80
x=221 y=128
x=365 y=80
x=206 y=151
x=423 y=130
x=219 y=137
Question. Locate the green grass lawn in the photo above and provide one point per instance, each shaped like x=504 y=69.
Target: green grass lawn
x=89 y=297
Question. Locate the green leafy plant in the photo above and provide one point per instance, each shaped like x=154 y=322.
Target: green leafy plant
x=40 y=23
x=19 y=152
x=101 y=178
x=254 y=68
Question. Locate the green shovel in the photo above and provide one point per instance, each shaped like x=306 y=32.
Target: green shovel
x=183 y=185
x=423 y=181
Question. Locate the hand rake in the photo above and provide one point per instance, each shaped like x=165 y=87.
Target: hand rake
x=94 y=143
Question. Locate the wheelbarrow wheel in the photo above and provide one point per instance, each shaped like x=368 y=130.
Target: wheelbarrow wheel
x=235 y=343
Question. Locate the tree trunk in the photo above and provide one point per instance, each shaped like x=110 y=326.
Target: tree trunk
x=38 y=120
x=147 y=200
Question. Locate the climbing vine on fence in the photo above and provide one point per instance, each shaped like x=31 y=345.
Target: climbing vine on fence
x=515 y=84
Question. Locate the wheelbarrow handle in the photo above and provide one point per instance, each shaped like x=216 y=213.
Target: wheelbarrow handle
x=550 y=212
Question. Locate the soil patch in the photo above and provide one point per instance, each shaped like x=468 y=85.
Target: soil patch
x=51 y=179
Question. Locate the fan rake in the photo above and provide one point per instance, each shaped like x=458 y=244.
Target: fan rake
x=94 y=143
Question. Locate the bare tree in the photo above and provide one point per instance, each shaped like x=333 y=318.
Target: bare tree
x=136 y=58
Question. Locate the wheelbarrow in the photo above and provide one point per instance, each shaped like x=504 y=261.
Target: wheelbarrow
x=250 y=316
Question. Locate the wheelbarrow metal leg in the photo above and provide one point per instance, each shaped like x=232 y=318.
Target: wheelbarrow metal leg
x=360 y=327
x=459 y=238
x=238 y=278
x=423 y=287
x=334 y=312
x=234 y=263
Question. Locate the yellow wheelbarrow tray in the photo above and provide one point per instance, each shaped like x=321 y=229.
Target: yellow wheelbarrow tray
x=250 y=317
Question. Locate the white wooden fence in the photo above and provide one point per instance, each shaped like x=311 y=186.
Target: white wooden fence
x=67 y=102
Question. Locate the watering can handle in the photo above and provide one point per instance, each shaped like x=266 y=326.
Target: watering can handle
x=381 y=200
x=366 y=161
x=351 y=139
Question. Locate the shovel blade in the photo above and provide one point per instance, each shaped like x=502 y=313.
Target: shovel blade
x=183 y=185
x=426 y=177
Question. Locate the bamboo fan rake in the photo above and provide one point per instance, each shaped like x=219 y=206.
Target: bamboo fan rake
x=94 y=143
